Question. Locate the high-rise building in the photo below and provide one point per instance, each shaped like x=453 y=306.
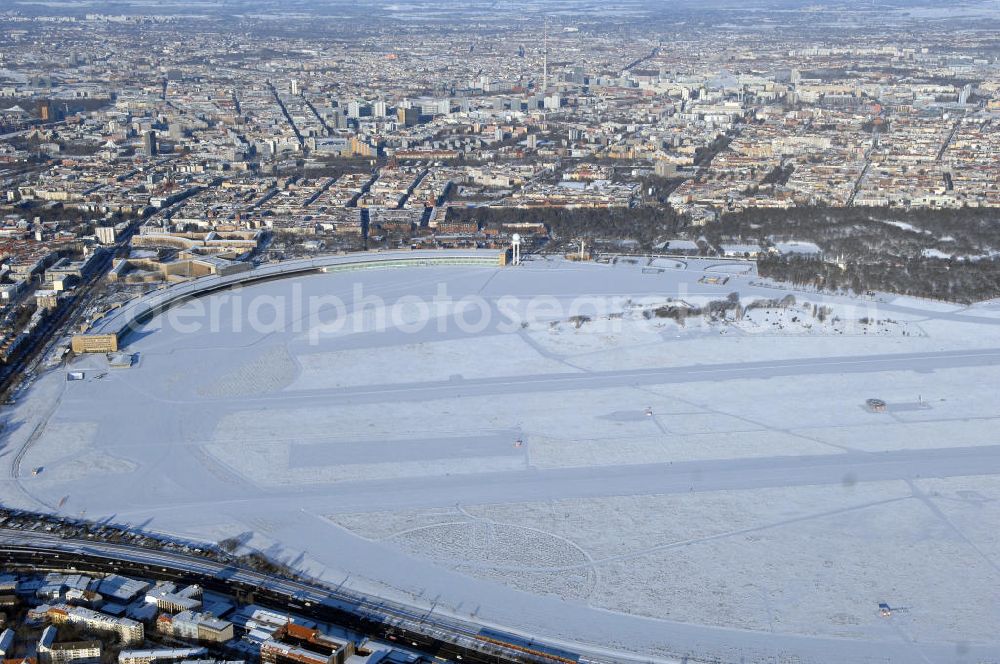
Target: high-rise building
x=294 y=87
x=362 y=148
x=381 y=109
x=407 y=117
x=354 y=109
x=963 y=96
x=46 y=112
x=149 y=143
x=105 y=234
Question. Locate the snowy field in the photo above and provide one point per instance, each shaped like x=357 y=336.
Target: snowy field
x=623 y=457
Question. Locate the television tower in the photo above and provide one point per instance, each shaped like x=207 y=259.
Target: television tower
x=545 y=57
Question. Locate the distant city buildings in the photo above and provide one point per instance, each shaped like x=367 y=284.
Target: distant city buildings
x=193 y=153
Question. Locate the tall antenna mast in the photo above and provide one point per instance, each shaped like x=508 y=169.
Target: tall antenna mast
x=545 y=56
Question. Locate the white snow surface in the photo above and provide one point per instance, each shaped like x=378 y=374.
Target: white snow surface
x=597 y=474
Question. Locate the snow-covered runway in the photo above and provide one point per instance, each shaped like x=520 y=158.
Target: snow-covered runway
x=475 y=387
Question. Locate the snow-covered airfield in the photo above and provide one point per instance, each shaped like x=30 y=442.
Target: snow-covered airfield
x=719 y=489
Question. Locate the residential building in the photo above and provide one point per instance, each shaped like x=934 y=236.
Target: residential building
x=294 y=644
x=129 y=631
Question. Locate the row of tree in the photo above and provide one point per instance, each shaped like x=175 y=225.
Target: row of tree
x=944 y=254
x=644 y=225
x=956 y=281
